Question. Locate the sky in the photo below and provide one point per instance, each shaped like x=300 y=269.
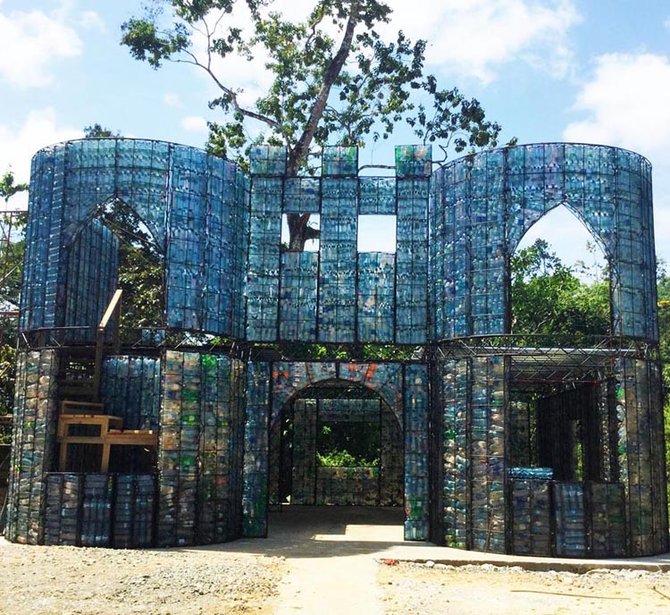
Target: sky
x=591 y=71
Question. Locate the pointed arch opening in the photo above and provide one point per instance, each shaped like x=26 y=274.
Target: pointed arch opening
x=114 y=248
x=559 y=281
x=560 y=410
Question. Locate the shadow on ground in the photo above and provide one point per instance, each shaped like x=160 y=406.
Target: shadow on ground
x=325 y=531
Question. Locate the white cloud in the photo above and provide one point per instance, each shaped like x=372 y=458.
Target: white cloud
x=172 y=100
x=473 y=38
x=194 y=123
x=31 y=41
x=90 y=20
x=18 y=145
x=627 y=104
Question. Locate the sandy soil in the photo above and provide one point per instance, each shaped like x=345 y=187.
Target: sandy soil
x=41 y=580
x=471 y=590
x=314 y=562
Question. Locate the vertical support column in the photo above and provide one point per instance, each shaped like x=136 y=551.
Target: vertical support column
x=217 y=518
x=304 y=451
x=255 y=472
x=416 y=452
x=454 y=387
x=337 y=267
x=641 y=460
x=178 y=449
x=33 y=443
x=413 y=170
x=486 y=452
x=391 y=472
x=268 y=165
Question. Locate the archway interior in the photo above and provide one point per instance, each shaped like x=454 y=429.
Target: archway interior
x=561 y=413
x=113 y=249
x=116 y=249
x=336 y=444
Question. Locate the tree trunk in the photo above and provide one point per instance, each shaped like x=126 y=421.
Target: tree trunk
x=299 y=232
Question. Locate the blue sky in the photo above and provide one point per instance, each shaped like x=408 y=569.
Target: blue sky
x=547 y=70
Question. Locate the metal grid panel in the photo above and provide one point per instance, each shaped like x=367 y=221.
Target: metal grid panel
x=416 y=452
x=454 y=387
x=193 y=204
x=199 y=458
x=484 y=204
x=298 y=296
x=130 y=388
x=33 y=440
x=255 y=470
x=337 y=277
x=92 y=274
x=375 y=297
x=263 y=278
x=412 y=260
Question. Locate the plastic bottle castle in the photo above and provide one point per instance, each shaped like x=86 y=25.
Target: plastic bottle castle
x=190 y=433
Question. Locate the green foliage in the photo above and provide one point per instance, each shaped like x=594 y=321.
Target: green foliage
x=9 y=187
x=97 y=131
x=11 y=259
x=335 y=80
x=349 y=444
x=664 y=346
x=307 y=351
x=547 y=297
x=340 y=459
x=12 y=250
x=140 y=269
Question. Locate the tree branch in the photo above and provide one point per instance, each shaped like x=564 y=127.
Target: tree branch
x=331 y=74
x=232 y=96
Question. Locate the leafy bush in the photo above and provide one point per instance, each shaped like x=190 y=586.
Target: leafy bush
x=342 y=459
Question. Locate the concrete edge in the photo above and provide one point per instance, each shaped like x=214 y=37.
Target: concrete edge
x=578 y=567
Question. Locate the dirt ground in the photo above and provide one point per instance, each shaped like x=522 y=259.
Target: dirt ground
x=314 y=562
x=71 y=580
x=67 y=580
x=470 y=590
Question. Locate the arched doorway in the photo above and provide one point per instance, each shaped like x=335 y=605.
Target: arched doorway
x=562 y=390
x=558 y=406
x=111 y=249
x=336 y=443
x=115 y=249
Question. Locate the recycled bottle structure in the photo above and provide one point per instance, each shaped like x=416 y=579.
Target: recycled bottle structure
x=489 y=442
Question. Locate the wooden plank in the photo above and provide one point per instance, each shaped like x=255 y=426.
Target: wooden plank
x=133 y=439
x=70 y=407
x=116 y=297
x=104 y=421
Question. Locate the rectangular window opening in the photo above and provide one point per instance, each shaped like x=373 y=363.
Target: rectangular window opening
x=314 y=222
x=377 y=233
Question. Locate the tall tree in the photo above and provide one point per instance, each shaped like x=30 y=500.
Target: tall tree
x=549 y=299
x=334 y=79
x=12 y=247
x=98 y=131
x=9 y=187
